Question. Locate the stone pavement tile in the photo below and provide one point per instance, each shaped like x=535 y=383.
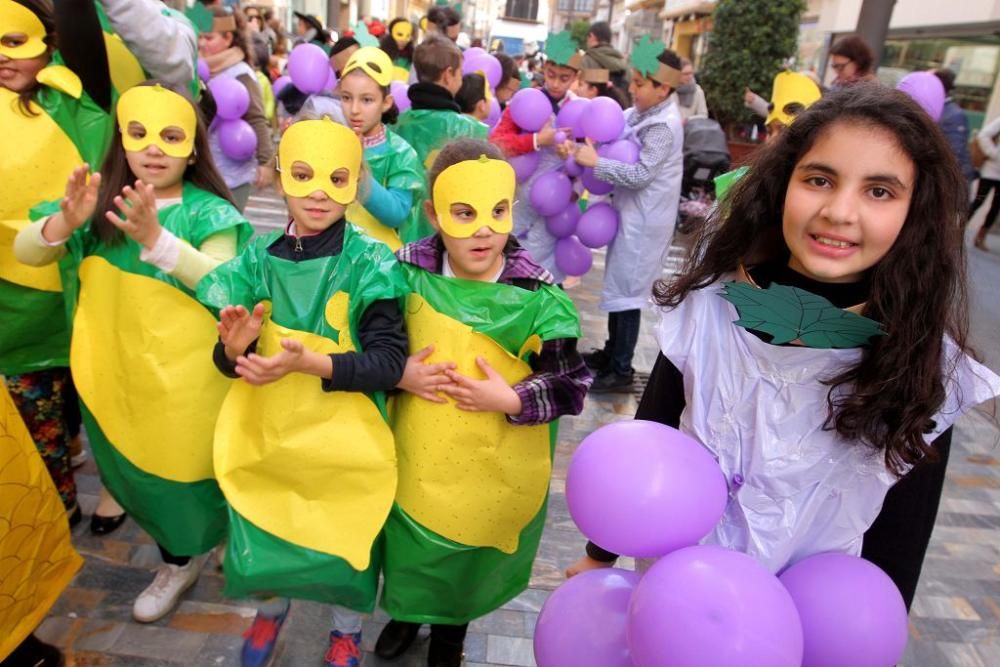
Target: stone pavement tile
x=501 y=622
x=955 y=607
x=220 y=651
x=161 y=643
x=923 y=654
x=78 y=601
x=212 y=618
x=516 y=651
x=989 y=651
x=60 y=631
x=961 y=655
x=98 y=635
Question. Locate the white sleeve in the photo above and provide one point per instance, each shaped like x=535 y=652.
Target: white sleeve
x=165 y=45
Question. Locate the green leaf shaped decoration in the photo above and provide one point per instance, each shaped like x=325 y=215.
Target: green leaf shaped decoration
x=364 y=37
x=645 y=55
x=200 y=16
x=560 y=47
x=791 y=314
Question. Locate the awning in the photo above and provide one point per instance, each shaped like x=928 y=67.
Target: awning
x=696 y=7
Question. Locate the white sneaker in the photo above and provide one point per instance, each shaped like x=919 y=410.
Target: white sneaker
x=161 y=596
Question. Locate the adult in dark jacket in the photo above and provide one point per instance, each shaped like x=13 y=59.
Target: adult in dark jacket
x=601 y=55
x=955 y=125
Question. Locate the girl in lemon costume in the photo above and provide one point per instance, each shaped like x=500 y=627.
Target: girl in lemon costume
x=494 y=365
x=397 y=42
x=396 y=187
x=143 y=232
x=311 y=321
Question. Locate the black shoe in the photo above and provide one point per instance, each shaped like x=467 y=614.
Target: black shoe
x=34 y=652
x=102 y=525
x=75 y=516
x=444 y=653
x=613 y=383
x=597 y=360
x=396 y=637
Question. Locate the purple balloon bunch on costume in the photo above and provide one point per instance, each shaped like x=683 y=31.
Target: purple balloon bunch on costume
x=645 y=490
x=236 y=137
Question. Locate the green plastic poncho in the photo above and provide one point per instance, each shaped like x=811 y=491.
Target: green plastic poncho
x=309 y=476
x=473 y=488
x=427 y=131
x=148 y=389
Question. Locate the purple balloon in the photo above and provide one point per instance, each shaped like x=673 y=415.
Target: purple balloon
x=525 y=165
x=573 y=170
x=640 y=488
x=852 y=613
x=550 y=193
x=926 y=90
x=331 y=82
x=603 y=119
x=583 y=621
x=563 y=223
x=705 y=606
x=486 y=63
x=203 y=72
x=598 y=225
x=474 y=51
x=622 y=150
x=400 y=94
x=530 y=109
x=309 y=68
x=495 y=112
x=280 y=83
x=237 y=139
x=572 y=257
x=560 y=137
x=231 y=97
x=594 y=185
x=570 y=115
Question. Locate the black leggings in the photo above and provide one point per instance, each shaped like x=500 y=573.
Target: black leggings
x=983 y=191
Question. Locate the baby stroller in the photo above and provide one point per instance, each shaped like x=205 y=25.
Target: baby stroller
x=706 y=155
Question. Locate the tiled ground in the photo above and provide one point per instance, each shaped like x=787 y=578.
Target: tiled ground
x=955 y=621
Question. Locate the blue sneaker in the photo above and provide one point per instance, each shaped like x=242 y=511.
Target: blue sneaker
x=260 y=639
x=345 y=650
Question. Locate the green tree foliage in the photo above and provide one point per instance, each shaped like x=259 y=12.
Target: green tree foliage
x=748 y=45
x=579 y=30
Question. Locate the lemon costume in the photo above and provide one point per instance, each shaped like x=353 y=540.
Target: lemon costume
x=309 y=476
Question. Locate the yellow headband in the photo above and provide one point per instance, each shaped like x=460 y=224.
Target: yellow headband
x=156 y=109
x=402 y=31
x=325 y=146
x=792 y=94
x=481 y=184
x=14 y=19
x=374 y=62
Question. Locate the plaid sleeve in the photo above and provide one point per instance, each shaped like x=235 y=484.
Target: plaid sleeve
x=556 y=388
x=656 y=141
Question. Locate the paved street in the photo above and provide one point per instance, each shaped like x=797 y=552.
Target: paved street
x=955 y=620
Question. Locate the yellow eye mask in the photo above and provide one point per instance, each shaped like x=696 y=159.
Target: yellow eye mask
x=402 y=31
x=481 y=184
x=157 y=109
x=793 y=93
x=326 y=147
x=16 y=19
x=374 y=62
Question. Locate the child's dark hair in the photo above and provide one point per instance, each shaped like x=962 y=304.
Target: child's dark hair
x=390 y=115
x=508 y=69
x=443 y=17
x=472 y=92
x=342 y=44
x=240 y=38
x=461 y=150
x=388 y=43
x=918 y=290
x=116 y=173
x=45 y=11
x=435 y=55
x=670 y=59
x=610 y=90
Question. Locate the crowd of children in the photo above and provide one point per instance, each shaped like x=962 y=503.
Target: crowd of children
x=372 y=393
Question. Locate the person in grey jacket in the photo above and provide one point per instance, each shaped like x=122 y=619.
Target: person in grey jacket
x=955 y=125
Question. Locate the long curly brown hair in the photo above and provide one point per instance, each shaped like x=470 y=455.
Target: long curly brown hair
x=918 y=290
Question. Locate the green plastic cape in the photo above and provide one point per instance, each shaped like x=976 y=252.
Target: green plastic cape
x=187 y=518
x=395 y=164
x=427 y=131
x=259 y=562
x=433 y=579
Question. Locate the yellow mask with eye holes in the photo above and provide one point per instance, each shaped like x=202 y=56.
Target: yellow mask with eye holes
x=16 y=19
x=326 y=147
x=481 y=184
x=157 y=109
x=402 y=31
x=374 y=62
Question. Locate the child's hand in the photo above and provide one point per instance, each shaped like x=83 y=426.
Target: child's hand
x=259 y=370
x=584 y=564
x=547 y=135
x=238 y=328
x=81 y=197
x=141 y=221
x=425 y=380
x=586 y=155
x=490 y=395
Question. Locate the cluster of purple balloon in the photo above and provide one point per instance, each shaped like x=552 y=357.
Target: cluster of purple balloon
x=926 y=90
x=645 y=490
x=310 y=71
x=236 y=138
x=477 y=61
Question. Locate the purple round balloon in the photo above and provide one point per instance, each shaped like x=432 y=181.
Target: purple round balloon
x=926 y=90
x=852 y=613
x=331 y=82
x=705 y=606
x=309 y=68
x=560 y=137
x=400 y=95
x=231 y=97
x=495 y=112
x=598 y=225
x=237 y=139
x=525 y=165
x=203 y=72
x=280 y=83
x=570 y=115
x=473 y=51
x=572 y=257
x=622 y=150
x=572 y=168
x=563 y=223
x=640 y=488
x=486 y=63
x=594 y=185
x=550 y=193
x=603 y=119
x=583 y=621
x=530 y=109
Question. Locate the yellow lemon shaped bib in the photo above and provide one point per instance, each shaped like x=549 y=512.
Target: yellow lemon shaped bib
x=359 y=216
x=469 y=476
x=141 y=360
x=124 y=67
x=316 y=469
